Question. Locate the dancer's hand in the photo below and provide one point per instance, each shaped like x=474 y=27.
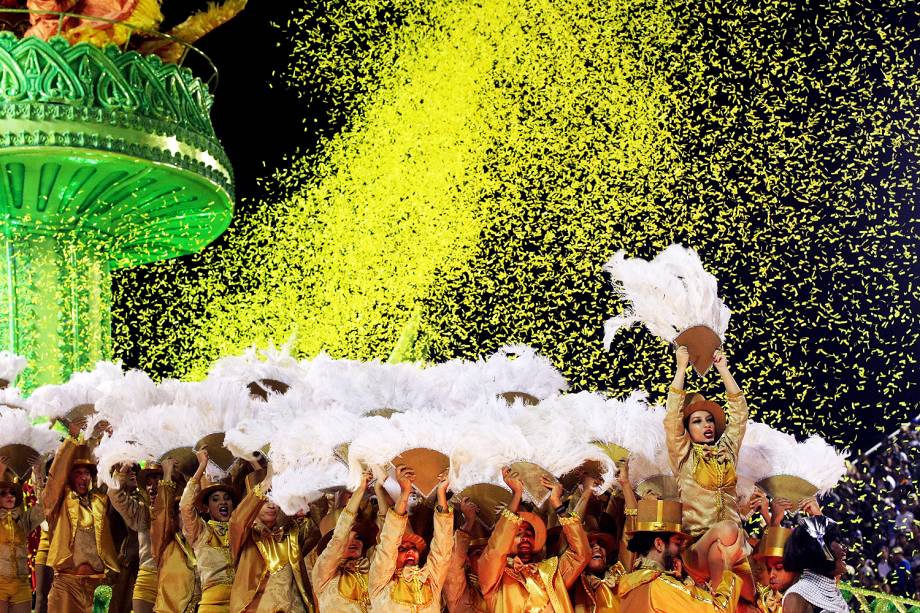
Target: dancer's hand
x=555 y=490
x=720 y=361
x=683 y=358
x=512 y=480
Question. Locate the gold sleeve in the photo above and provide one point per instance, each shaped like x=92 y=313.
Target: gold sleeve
x=675 y=434
x=327 y=563
x=575 y=558
x=737 y=423
x=494 y=557
x=383 y=566
x=56 y=485
x=442 y=544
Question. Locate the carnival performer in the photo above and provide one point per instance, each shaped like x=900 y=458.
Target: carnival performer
x=210 y=538
x=178 y=588
x=653 y=587
x=815 y=550
x=703 y=445
x=778 y=579
x=16 y=524
x=461 y=586
x=340 y=573
x=268 y=553
x=396 y=583
x=82 y=550
x=510 y=574
x=134 y=507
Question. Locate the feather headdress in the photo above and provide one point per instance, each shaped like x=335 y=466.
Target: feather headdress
x=11 y=366
x=668 y=295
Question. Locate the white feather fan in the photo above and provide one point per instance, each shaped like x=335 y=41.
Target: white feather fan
x=668 y=295
x=764 y=448
x=255 y=364
x=16 y=429
x=114 y=450
x=519 y=368
x=11 y=397
x=814 y=461
x=131 y=393
x=276 y=415
x=11 y=366
x=629 y=423
x=55 y=401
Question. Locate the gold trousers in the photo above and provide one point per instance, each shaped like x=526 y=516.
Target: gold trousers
x=15 y=590
x=73 y=593
x=215 y=599
x=145 y=587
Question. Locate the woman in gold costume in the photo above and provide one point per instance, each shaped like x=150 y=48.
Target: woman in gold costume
x=16 y=523
x=703 y=445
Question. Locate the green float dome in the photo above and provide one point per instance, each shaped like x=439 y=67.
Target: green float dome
x=108 y=159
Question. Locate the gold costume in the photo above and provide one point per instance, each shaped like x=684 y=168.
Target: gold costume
x=705 y=473
x=510 y=586
x=461 y=589
x=81 y=536
x=15 y=527
x=769 y=601
x=178 y=590
x=211 y=543
x=649 y=589
x=134 y=509
x=411 y=589
x=598 y=594
x=341 y=585
x=270 y=573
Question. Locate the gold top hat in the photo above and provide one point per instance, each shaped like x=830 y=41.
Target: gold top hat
x=697 y=402
x=84 y=457
x=490 y=499
x=529 y=400
x=11 y=480
x=428 y=465
x=701 y=343
x=217 y=452
x=656 y=515
x=772 y=543
x=606 y=541
x=659 y=486
x=149 y=469
x=794 y=489
x=260 y=389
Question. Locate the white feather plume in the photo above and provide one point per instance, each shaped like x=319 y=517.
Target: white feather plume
x=763 y=449
x=519 y=368
x=488 y=439
x=161 y=428
x=16 y=429
x=11 y=366
x=11 y=397
x=255 y=364
x=815 y=461
x=275 y=416
x=669 y=294
x=629 y=423
x=131 y=393
x=115 y=450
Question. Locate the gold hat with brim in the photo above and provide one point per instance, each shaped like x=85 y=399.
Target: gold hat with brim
x=528 y=400
x=539 y=529
x=697 y=402
x=218 y=486
x=150 y=469
x=701 y=343
x=217 y=452
x=428 y=465
x=656 y=515
x=772 y=542
x=84 y=458
x=490 y=499
x=606 y=541
x=11 y=480
x=792 y=488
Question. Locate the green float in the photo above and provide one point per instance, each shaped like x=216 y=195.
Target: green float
x=108 y=159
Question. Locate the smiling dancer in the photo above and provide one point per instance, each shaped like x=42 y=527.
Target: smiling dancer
x=210 y=540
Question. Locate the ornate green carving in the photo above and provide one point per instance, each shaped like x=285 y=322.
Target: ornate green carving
x=108 y=159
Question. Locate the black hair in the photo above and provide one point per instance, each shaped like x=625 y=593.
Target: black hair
x=642 y=542
x=803 y=552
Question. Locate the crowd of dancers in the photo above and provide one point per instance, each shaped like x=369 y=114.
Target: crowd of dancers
x=329 y=485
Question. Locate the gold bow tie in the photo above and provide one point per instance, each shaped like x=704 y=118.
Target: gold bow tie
x=413 y=574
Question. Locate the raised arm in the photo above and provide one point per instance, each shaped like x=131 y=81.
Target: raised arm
x=575 y=558
x=327 y=563
x=56 y=485
x=675 y=433
x=455 y=581
x=192 y=525
x=738 y=408
x=243 y=516
x=494 y=557
x=383 y=566
x=135 y=514
x=443 y=540
x=162 y=515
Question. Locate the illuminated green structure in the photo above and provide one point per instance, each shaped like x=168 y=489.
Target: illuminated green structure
x=108 y=159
